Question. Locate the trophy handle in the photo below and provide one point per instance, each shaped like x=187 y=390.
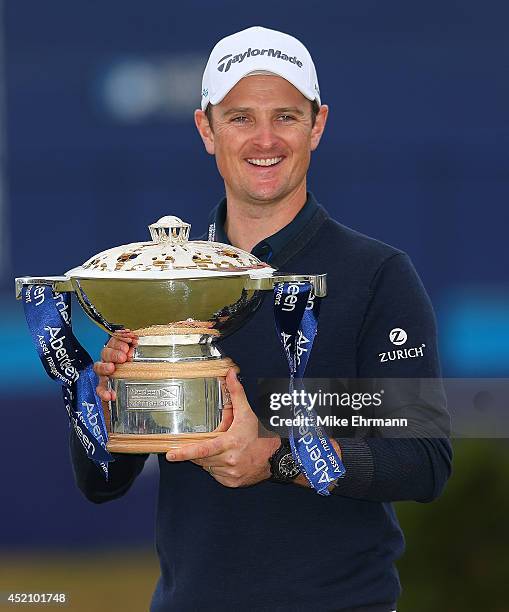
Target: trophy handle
x=266 y=283
x=59 y=284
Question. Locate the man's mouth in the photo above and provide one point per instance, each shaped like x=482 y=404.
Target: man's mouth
x=271 y=161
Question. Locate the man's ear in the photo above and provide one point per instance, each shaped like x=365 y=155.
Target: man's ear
x=319 y=127
x=205 y=130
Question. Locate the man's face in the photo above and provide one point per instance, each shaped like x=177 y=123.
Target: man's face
x=262 y=136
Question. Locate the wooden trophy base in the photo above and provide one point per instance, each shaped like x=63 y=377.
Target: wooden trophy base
x=166 y=372
x=154 y=443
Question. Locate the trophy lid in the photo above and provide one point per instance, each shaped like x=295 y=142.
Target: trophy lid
x=170 y=254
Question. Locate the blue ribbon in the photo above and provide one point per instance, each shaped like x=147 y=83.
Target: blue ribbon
x=296 y=311
x=48 y=316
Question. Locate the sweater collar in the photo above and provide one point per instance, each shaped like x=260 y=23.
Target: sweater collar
x=270 y=247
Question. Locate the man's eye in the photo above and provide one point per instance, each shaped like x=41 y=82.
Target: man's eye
x=239 y=119
x=285 y=118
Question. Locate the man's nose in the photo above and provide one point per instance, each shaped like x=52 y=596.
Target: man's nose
x=265 y=135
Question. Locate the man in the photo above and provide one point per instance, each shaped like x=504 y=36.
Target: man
x=230 y=534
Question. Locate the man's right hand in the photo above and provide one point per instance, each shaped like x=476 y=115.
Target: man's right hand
x=116 y=351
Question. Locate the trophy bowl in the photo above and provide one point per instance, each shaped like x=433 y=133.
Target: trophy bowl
x=177 y=298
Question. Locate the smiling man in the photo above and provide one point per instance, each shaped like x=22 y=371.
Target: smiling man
x=261 y=129
x=238 y=526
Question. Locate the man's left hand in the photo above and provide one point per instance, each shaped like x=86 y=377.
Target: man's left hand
x=238 y=457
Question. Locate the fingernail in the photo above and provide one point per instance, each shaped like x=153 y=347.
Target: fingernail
x=170 y=456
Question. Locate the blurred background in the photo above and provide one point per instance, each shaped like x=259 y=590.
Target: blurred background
x=97 y=141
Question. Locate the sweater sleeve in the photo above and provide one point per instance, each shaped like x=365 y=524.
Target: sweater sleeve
x=90 y=480
x=399 y=316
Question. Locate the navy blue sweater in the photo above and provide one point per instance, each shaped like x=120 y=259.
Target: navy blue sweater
x=283 y=547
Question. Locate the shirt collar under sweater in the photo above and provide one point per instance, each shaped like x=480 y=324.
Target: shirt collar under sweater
x=276 y=248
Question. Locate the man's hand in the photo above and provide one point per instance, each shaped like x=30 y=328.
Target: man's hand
x=118 y=350
x=239 y=457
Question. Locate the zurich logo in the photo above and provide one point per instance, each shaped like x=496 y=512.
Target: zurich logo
x=398 y=336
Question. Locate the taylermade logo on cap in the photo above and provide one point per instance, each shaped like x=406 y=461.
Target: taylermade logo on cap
x=223 y=65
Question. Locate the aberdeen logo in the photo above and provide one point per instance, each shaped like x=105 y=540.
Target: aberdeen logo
x=301 y=348
x=398 y=336
x=223 y=65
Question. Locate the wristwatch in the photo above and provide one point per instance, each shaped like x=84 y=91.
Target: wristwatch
x=283 y=467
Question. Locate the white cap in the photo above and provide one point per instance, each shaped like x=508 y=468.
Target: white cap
x=258 y=50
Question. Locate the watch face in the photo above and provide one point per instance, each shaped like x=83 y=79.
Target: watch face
x=287 y=466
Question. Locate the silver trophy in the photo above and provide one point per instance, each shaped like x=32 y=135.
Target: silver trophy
x=177 y=297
